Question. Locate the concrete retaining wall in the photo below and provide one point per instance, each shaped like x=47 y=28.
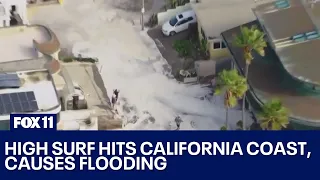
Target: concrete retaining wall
x=165 y=16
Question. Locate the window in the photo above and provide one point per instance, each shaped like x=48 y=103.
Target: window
x=223 y=45
x=190 y=18
x=182 y=22
x=305 y=36
x=281 y=4
x=173 y=21
x=218 y=44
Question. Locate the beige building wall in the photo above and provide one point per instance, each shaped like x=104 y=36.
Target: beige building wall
x=214 y=53
x=218 y=53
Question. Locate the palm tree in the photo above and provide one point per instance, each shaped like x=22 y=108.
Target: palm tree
x=273 y=116
x=249 y=39
x=233 y=86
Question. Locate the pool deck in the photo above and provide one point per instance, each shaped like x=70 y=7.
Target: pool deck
x=16 y=43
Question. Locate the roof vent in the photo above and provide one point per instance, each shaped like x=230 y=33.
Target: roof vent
x=281 y=4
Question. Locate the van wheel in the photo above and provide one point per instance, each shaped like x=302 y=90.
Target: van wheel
x=172 y=33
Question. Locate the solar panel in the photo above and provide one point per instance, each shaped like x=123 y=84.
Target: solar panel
x=9 y=81
x=14 y=97
x=30 y=96
x=18 y=103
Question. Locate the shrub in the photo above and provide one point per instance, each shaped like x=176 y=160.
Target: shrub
x=67 y=59
x=183 y=47
x=204 y=49
x=223 y=128
x=153 y=21
x=91 y=60
x=175 y=3
x=240 y=125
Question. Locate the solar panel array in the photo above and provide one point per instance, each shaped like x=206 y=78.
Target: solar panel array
x=9 y=80
x=18 y=102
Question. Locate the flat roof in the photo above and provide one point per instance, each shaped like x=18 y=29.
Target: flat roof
x=216 y=16
x=41 y=84
x=302 y=60
x=284 y=23
x=16 y=43
x=313 y=9
x=23 y=65
x=267 y=80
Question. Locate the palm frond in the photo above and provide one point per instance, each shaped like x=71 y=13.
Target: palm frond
x=250 y=39
x=233 y=85
x=273 y=115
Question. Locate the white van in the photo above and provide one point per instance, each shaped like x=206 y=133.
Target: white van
x=179 y=23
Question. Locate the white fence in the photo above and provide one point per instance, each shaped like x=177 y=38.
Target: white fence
x=165 y=16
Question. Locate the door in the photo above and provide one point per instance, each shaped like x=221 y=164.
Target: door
x=181 y=25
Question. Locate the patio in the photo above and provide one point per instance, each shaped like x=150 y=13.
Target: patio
x=17 y=42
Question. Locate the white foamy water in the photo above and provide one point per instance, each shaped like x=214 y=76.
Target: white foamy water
x=131 y=62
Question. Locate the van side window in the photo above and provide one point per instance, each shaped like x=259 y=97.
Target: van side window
x=190 y=18
x=182 y=22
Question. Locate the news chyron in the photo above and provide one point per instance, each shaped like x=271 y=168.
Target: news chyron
x=19 y=122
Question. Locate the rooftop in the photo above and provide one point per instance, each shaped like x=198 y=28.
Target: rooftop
x=288 y=29
x=27 y=91
x=16 y=43
x=302 y=60
x=220 y=15
x=313 y=9
x=268 y=80
x=282 y=23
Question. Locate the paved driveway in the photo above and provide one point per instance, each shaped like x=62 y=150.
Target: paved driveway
x=165 y=46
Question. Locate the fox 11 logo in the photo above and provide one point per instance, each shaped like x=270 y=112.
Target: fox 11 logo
x=33 y=122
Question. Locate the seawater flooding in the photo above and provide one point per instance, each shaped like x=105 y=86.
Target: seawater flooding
x=131 y=62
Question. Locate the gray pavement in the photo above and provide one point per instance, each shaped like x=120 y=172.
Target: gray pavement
x=84 y=74
x=165 y=46
x=88 y=77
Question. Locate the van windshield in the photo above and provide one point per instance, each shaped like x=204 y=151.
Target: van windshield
x=173 y=21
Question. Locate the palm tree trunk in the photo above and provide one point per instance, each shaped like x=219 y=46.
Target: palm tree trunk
x=227 y=117
x=244 y=100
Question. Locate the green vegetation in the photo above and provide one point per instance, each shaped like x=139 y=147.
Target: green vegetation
x=175 y=3
x=233 y=86
x=239 y=125
x=223 y=128
x=183 y=47
x=273 y=116
x=250 y=39
x=153 y=21
x=204 y=50
x=67 y=59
